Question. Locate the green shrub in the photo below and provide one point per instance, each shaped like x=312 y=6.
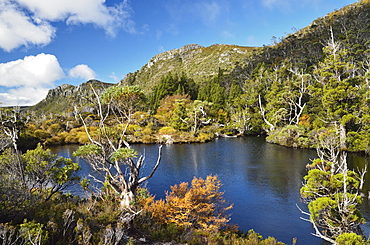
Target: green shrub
x=41 y=134
x=167 y=130
x=204 y=137
x=55 y=140
x=350 y=239
x=33 y=232
x=289 y=136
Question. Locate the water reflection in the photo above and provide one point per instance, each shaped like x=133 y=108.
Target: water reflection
x=262 y=180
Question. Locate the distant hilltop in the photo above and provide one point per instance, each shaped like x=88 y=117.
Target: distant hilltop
x=64 y=97
x=194 y=60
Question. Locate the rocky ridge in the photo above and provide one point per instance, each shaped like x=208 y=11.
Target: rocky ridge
x=194 y=60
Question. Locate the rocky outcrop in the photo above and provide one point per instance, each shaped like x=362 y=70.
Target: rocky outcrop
x=83 y=89
x=174 y=53
x=62 y=90
x=64 y=97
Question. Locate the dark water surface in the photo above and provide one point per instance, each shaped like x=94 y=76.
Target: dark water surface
x=261 y=180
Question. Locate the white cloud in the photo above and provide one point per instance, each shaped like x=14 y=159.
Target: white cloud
x=17 y=29
x=23 y=96
x=82 y=71
x=40 y=70
x=29 y=22
x=81 y=12
x=8 y=99
x=29 y=79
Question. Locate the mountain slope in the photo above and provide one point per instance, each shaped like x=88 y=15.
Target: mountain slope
x=195 y=61
x=350 y=26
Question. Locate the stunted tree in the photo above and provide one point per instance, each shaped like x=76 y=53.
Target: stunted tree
x=122 y=101
x=168 y=105
x=332 y=191
x=108 y=152
x=33 y=177
x=190 y=115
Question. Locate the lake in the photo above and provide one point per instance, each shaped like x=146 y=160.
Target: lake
x=262 y=180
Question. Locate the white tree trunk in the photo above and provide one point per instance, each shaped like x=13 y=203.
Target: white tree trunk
x=127 y=198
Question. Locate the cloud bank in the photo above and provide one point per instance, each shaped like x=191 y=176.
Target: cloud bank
x=30 y=22
x=27 y=81
x=17 y=29
x=40 y=70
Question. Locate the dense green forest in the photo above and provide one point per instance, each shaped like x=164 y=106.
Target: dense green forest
x=309 y=89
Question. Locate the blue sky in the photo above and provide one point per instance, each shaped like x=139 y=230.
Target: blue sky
x=46 y=43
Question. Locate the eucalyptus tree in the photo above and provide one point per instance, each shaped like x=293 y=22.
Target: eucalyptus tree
x=298 y=101
x=336 y=94
x=198 y=114
x=108 y=152
x=4 y=141
x=286 y=97
x=122 y=101
x=190 y=115
x=252 y=100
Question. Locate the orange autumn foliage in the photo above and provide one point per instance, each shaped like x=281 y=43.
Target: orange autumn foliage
x=200 y=206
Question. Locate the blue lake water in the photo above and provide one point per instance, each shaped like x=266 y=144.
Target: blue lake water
x=262 y=180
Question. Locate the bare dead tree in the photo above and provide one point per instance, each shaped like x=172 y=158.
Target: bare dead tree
x=263 y=113
x=298 y=105
x=11 y=123
x=110 y=155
